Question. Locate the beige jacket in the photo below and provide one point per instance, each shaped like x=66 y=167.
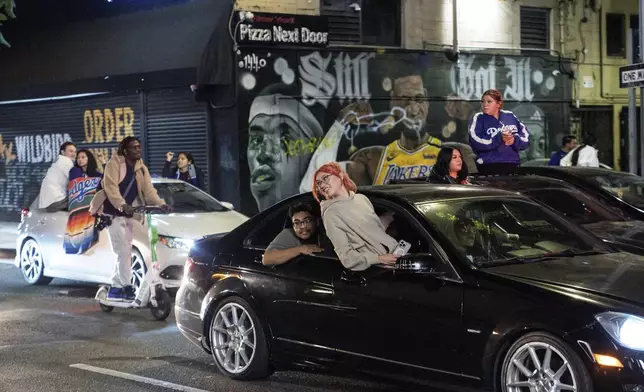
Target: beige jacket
x=357 y=233
x=113 y=175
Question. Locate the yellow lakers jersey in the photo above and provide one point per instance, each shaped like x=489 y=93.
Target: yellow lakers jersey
x=397 y=163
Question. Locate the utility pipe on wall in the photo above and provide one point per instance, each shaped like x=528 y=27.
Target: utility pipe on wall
x=455 y=23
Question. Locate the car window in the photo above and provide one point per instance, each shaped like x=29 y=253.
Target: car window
x=400 y=227
x=573 y=205
x=264 y=233
x=492 y=229
x=626 y=186
x=185 y=198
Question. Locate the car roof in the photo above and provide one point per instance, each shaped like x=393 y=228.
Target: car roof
x=420 y=192
x=573 y=171
x=520 y=182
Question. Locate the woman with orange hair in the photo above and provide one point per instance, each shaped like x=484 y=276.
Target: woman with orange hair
x=357 y=233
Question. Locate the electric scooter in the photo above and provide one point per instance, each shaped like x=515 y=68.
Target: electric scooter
x=152 y=293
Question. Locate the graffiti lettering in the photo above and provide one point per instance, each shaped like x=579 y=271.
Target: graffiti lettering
x=252 y=62
x=519 y=73
x=40 y=148
x=19 y=177
x=6 y=151
x=350 y=82
x=470 y=83
x=301 y=147
x=105 y=126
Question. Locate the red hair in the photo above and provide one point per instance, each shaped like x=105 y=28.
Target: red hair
x=495 y=95
x=334 y=169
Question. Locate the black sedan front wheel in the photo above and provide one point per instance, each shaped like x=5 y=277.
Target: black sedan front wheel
x=542 y=362
x=238 y=342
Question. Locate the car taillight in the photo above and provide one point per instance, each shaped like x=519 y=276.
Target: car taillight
x=23 y=213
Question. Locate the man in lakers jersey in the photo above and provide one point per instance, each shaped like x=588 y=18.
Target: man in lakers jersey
x=413 y=154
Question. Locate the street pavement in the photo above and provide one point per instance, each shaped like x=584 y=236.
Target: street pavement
x=56 y=338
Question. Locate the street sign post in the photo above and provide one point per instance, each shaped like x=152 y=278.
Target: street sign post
x=631 y=76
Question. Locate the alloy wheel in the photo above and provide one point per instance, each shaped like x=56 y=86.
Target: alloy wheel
x=539 y=367
x=234 y=338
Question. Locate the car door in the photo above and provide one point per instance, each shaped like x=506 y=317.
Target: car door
x=411 y=320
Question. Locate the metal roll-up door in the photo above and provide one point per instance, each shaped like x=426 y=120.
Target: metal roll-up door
x=32 y=133
x=175 y=122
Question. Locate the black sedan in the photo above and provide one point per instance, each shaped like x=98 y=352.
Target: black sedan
x=497 y=291
x=582 y=206
x=621 y=190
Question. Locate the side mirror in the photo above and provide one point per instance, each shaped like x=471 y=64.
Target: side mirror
x=418 y=264
x=228 y=205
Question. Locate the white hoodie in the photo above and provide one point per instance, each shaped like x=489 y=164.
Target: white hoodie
x=587 y=157
x=54 y=187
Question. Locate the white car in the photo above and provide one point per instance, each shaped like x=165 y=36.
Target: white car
x=41 y=257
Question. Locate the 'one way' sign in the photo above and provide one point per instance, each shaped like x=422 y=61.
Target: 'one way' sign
x=631 y=76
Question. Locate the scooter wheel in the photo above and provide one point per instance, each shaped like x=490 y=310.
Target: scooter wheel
x=164 y=306
x=106 y=308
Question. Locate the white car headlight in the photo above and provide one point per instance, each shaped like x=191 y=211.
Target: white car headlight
x=176 y=242
x=627 y=329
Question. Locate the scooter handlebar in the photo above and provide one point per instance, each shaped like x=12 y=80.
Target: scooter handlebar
x=144 y=209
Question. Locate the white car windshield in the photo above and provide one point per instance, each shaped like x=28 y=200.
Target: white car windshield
x=487 y=231
x=185 y=198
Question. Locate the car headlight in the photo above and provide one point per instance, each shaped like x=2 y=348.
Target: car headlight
x=176 y=242
x=627 y=329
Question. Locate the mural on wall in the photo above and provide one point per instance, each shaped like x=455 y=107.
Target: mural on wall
x=383 y=115
x=28 y=150
x=6 y=12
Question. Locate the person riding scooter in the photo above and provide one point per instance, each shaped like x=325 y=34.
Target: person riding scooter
x=126 y=180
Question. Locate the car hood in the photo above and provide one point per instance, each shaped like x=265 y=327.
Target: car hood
x=617 y=275
x=628 y=231
x=196 y=225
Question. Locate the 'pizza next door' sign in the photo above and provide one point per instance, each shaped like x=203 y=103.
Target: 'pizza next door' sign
x=631 y=76
x=283 y=30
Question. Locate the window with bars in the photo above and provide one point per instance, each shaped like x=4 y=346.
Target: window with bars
x=365 y=22
x=535 y=28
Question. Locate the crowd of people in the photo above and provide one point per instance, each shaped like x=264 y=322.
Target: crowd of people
x=357 y=235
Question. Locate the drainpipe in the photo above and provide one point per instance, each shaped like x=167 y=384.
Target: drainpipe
x=455 y=49
x=562 y=18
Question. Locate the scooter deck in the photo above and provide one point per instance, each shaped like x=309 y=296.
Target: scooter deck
x=121 y=304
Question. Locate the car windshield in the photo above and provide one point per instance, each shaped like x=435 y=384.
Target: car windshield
x=626 y=186
x=185 y=198
x=492 y=231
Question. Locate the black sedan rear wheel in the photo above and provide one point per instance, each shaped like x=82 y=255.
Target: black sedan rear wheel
x=238 y=342
x=542 y=362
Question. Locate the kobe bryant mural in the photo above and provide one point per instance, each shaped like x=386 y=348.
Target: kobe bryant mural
x=382 y=115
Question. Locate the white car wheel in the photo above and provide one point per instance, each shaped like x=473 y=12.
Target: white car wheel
x=32 y=265
x=138 y=270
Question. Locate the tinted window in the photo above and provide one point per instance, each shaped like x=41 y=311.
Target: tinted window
x=485 y=230
x=574 y=206
x=185 y=198
x=628 y=187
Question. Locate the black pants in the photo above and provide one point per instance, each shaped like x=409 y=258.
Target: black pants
x=497 y=168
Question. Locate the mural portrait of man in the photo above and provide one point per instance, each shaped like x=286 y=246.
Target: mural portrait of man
x=276 y=119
